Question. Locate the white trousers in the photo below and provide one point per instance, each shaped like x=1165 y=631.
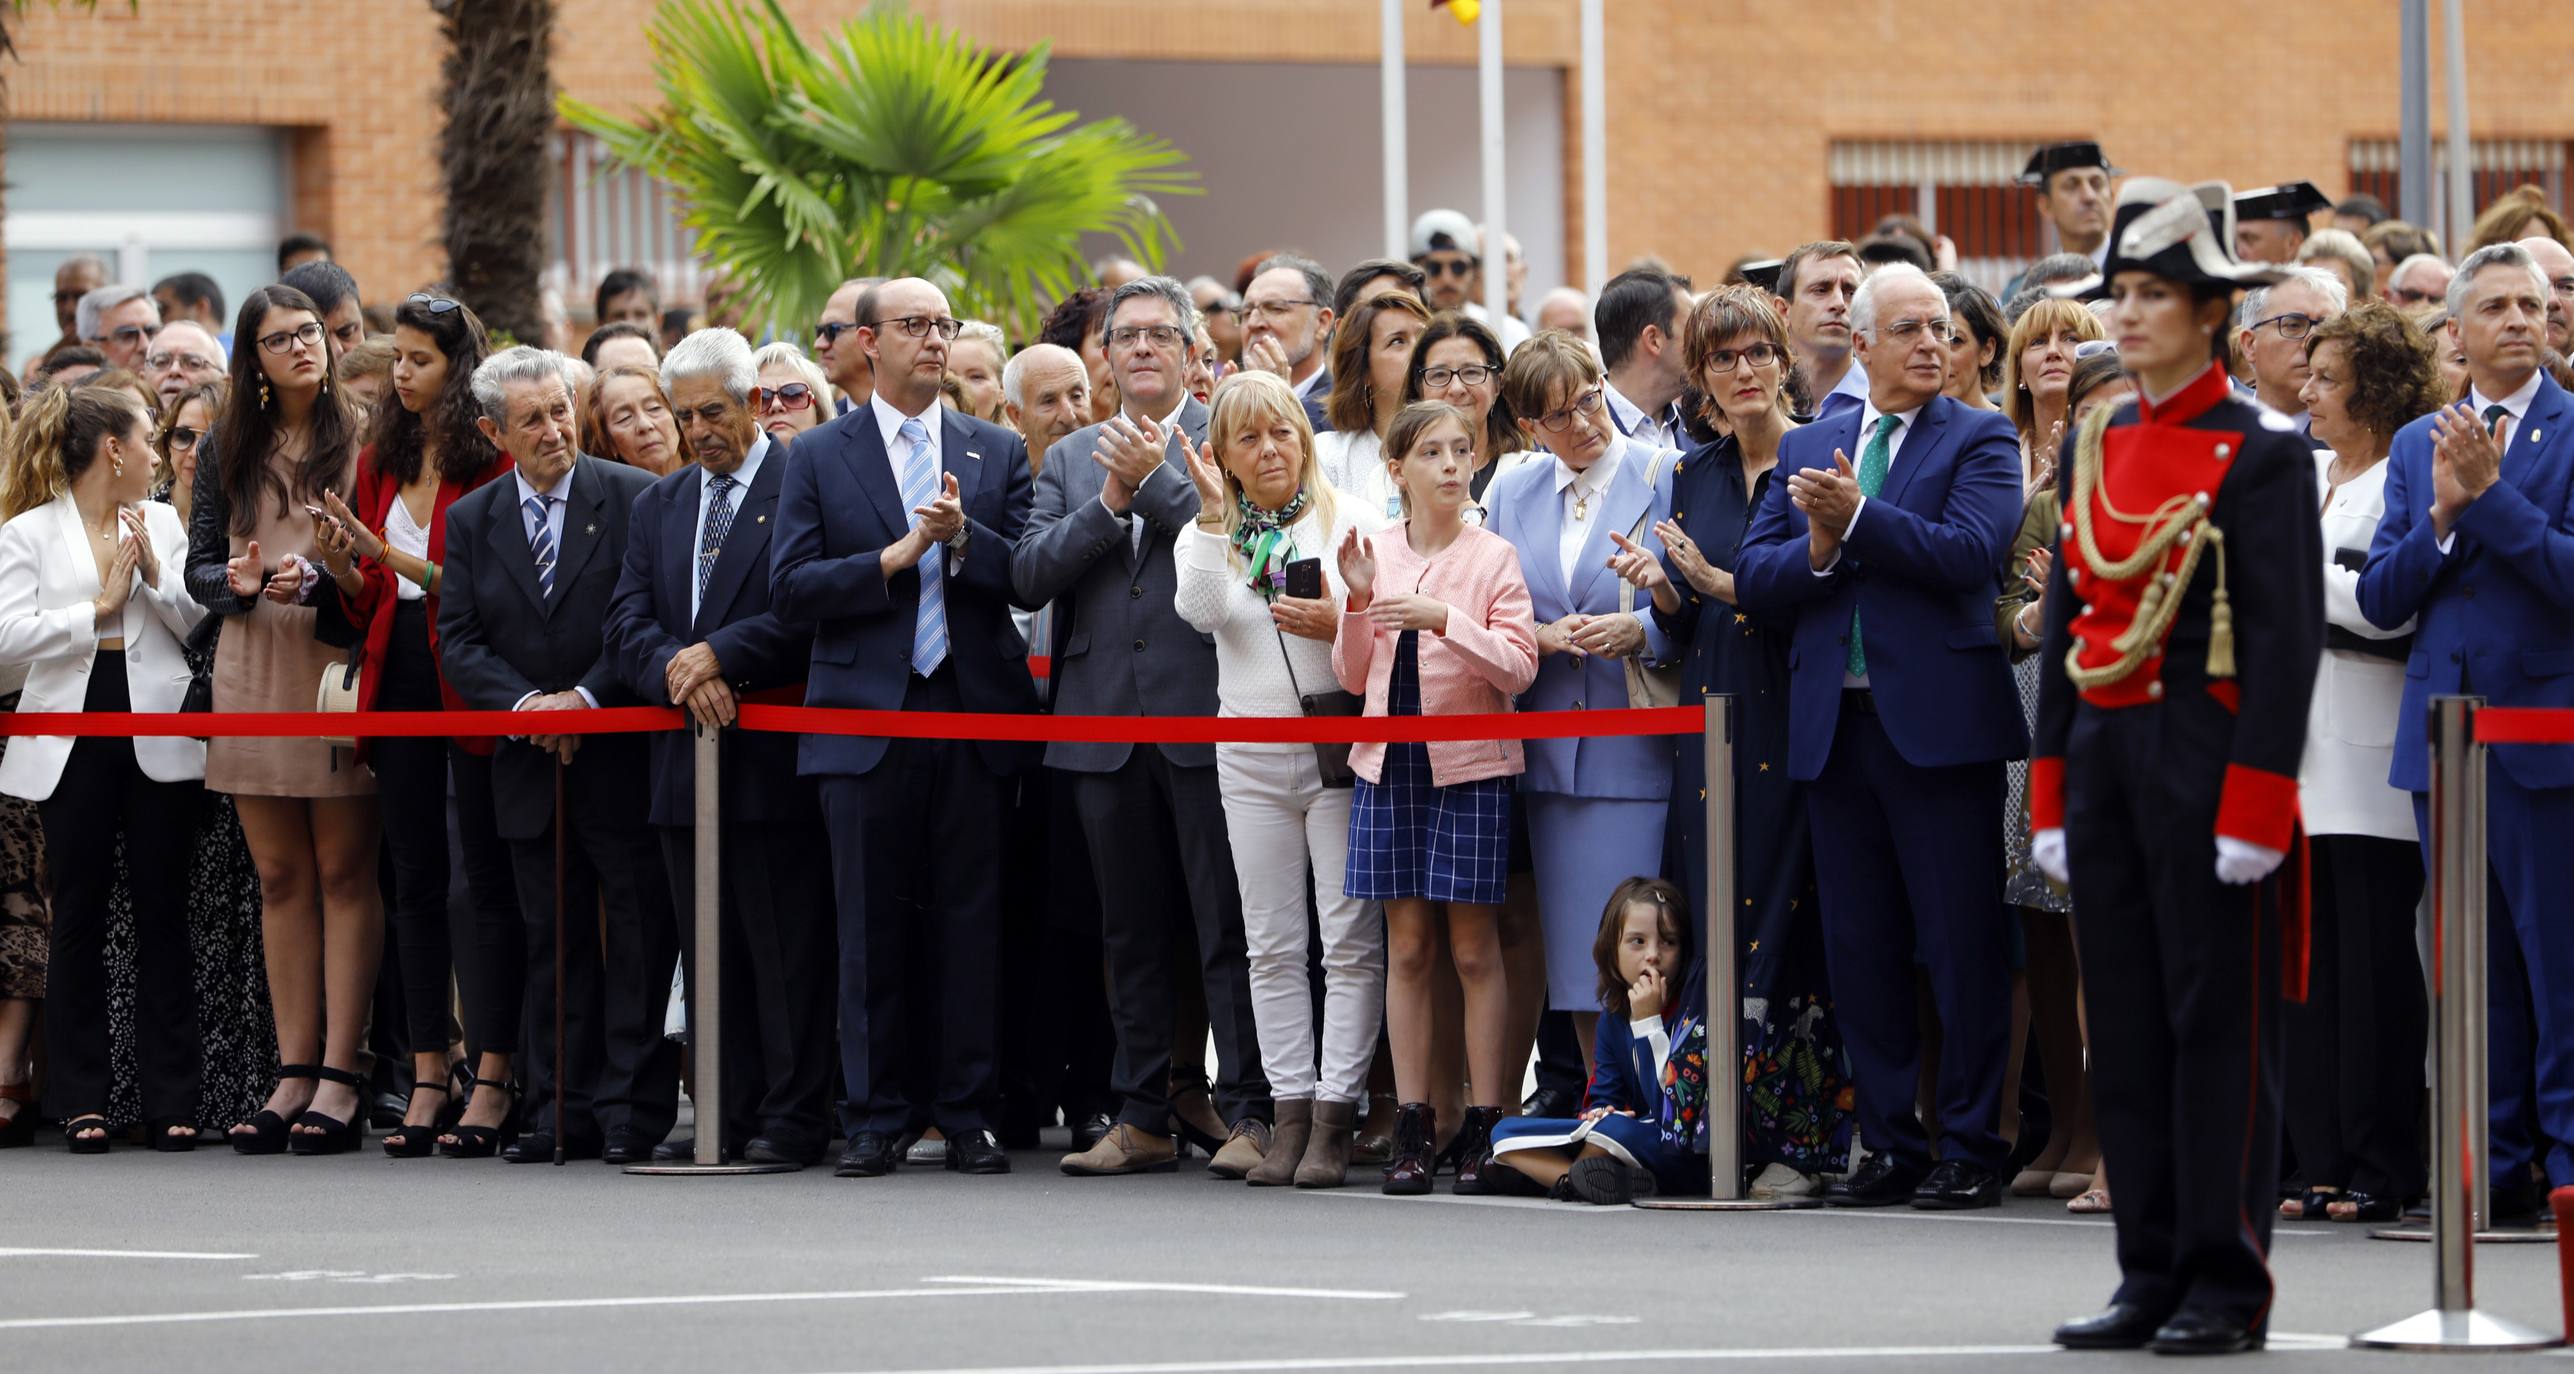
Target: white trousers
x=1284 y=824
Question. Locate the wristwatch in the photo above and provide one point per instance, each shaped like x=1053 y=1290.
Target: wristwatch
x=956 y=542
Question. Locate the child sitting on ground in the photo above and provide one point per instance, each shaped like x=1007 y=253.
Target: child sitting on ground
x=1643 y=1127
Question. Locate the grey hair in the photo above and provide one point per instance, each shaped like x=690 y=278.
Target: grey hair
x=2418 y=260
x=1318 y=283
x=2491 y=255
x=514 y=367
x=1231 y=297
x=1168 y=289
x=786 y=355
x=1863 y=306
x=989 y=333
x=712 y=352
x=99 y=302
x=2329 y=285
x=1014 y=374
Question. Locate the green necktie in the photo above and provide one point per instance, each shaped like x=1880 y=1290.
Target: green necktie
x=2494 y=414
x=1872 y=479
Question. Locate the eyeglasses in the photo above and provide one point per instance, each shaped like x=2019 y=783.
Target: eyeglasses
x=1445 y=267
x=1473 y=374
x=1905 y=331
x=1585 y=405
x=1759 y=355
x=1162 y=335
x=437 y=305
x=308 y=334
x=1222 y=307
x=186 y=362
x=180 y=438
x=919 y=326
x=2292 y=326
x=2405 y=295
x=1276 y=310
x=828 y=332
x=792 y=396
x=126 y=336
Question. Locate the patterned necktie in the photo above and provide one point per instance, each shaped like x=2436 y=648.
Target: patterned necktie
x=1872 y=479
x=719 y=523
x=920 y=487
x=540 y=542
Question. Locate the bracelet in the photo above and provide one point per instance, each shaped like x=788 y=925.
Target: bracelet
x=2020 y=622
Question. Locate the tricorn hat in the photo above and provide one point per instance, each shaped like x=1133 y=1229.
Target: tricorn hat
x=2292 y=200
x=2058 y=157
x=2180 y=233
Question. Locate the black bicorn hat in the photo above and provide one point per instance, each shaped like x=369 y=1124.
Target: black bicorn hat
x=2180 y=233
x=2052 y=158
x=2289 y=200
x=1763 y=274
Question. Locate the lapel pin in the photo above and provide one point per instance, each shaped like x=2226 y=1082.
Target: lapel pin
x=762 y=520
x=2535 y=436
x=974 y=455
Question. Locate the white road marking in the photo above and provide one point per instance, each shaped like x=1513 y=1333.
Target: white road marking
x=1382 y=1360
x=1235 y=1290
x=17 y=1251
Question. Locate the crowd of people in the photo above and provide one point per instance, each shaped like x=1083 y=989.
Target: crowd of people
x=2039 y=668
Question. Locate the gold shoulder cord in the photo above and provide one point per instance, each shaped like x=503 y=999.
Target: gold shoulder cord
x=2180 y=519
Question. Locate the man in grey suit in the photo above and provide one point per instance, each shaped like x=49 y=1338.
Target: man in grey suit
x=1110 y=500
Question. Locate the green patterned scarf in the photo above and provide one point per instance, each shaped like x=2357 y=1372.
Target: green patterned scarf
x=1260 y=540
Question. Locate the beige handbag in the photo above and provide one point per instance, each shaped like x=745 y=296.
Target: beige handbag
x=1648 y=684
x=339 y=694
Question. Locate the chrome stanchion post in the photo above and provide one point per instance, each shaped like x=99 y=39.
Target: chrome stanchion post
x=706 y=990
x=2458 y=1129
x=1724 y=961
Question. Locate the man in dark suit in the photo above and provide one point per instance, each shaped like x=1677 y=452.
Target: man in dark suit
x=1110 y=501
x=2474 y=543
x=531 y=563
x=691 y=627
x=893 y=542
x=1287 y=329
x=1901 y=713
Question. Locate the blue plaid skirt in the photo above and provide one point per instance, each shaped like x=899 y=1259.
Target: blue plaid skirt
x=1409 y=837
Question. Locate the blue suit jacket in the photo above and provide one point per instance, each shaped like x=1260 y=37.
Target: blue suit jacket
x=649 y=624
x=2497 y=611
x=837 y=512
x=1526 y=510
x=1920 y=570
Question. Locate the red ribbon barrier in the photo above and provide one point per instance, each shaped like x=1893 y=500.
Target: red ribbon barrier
x=2524 y=725
x=823 y=720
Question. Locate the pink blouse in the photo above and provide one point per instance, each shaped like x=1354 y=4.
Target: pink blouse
x=1487 y=655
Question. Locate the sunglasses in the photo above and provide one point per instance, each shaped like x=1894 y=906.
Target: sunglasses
x=829 y=332
x=438 y=305
x=792 y=396
x=1448 y=267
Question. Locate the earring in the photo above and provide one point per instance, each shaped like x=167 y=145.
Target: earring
x=263 y=393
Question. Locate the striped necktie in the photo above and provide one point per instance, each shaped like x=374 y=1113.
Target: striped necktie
x=540 y=542
x=920 y=487
x=719 y=523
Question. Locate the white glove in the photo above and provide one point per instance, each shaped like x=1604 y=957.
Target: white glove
x=2240 y=861
x=2047 y=851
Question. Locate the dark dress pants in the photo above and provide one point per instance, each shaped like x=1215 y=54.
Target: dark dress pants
x=1164 y=865
x=776 y=969
x=2354 y=1049
x=411 y=783
x=1909 y=863
x=103 y=793
x=2181 y=983
x=491 y=945
x=1056 y=1045
x=916 y=865
x=620 y=1072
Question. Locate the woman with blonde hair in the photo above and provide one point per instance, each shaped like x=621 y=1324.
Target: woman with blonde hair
x=1256 y=572
x=2037 y=371
x=626 y=417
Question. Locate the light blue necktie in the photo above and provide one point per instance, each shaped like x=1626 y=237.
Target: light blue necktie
x=540 y=541
x=920 y=487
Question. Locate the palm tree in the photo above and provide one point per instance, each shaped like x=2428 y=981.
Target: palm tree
x=895 y=147
x=499 y=98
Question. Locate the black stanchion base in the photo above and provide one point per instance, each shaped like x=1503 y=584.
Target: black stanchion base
x=683 y=1170
x=2423 y=1233
x=1743 y=1204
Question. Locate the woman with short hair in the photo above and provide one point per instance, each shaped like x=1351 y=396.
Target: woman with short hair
x=794 y=395
x=2037 y=368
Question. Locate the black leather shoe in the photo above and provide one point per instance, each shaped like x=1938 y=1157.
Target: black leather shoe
x=677 y=1150
x=1090 y=1130
x=1881 y=1182
x=871 y=1154
x=2122 y=1326
x=626 y=1146
x=764 y=1149
x=1957 y=1186
x=977 y=1152
x=2203 y=1333
x=1553 y=1102
x=537 y=1147
x=2516 y=1204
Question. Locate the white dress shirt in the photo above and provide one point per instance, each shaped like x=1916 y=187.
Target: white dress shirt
x=1135 y=528
x=741 y=476
x=1658 y=429
x=1580 y=495
x=556 y=498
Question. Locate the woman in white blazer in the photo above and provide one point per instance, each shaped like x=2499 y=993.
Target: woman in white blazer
x=2354 y=1049
x=94 y=606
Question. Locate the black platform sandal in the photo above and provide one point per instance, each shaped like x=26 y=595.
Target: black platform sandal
x=19 y=1131
x=2373 y=1208
x=268 y=1132
x=2311 y=1205
x=330 y=1135
x=482 y=1142
x=76 y=1134
x=408 y=1141
x=163 y=1134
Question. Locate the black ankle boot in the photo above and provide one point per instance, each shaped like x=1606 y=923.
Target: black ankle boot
x=1408 y=1173
x=1475 y=1150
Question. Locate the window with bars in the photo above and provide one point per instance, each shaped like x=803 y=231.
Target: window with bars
x=2495 y=167
x=1969 y=191
x=606 y=217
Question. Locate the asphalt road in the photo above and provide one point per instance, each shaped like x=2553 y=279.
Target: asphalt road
x=215 y=1263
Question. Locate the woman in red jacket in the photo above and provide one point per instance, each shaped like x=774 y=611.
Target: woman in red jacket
x=384 y=551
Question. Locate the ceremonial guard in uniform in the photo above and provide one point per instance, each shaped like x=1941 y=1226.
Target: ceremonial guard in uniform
x=2184 y=621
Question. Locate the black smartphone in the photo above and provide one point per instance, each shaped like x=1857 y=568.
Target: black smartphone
x=1305 y=579
x=2354 y=560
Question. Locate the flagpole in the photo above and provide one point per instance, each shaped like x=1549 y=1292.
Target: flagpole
x=1489 y=91
x=1390 y=117
x=1595 y=146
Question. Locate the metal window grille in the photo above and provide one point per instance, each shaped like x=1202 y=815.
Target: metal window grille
x=2496 y=166
x=606 y=217
x=1969 y=191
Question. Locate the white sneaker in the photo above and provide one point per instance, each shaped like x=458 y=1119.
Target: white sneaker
x=1779 y=1181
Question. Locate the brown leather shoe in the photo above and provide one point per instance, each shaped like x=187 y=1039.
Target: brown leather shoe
x=1125 y=1150
x=1286 y=1150
x=1327 y=1152
x=1243 y=1149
